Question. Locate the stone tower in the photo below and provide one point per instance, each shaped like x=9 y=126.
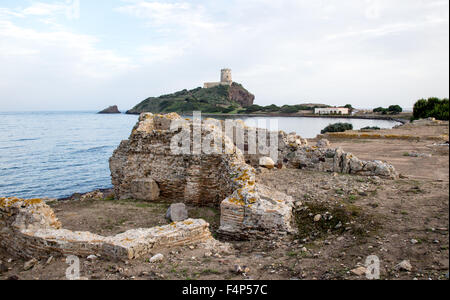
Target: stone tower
x=226 y=76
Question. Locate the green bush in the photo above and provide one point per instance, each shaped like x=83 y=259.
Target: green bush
x=338 y=127
x=252 y=109
x=379 y=110
x=290 y=109
x=393 y=110
x=272 y=108
x=432 y=108
x=227 y=110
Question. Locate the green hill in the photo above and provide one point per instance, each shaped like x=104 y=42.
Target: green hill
x=219 y=99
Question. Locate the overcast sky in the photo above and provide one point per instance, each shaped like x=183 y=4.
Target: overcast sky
x=86 y=55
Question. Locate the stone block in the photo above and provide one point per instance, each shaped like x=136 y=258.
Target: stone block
x=145 y=189
x=177 y=212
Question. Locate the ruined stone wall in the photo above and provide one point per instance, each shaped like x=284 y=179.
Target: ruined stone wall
x=208 y=85
x=30 y=229
x=294 y=152
x=145 y=163
x=248 y=210
x=146 y=159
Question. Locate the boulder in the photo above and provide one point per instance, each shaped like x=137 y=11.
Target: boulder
x=267 y=162
x=110 y=110
x=177 y=212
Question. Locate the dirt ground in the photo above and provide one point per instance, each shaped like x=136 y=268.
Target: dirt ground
x=396 y=220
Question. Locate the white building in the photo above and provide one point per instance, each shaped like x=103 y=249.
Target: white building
x=332 y=111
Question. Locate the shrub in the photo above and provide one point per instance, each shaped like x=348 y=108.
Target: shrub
x=227 y=110
x=338 y=127
x=272 y=108
x=432 y=108
x=252 y=109
x=395 y=109
x=288 y=109
x=379 y=110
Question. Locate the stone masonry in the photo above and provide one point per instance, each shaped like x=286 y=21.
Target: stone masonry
x=30 y=229
x=145 y=166
x=250 y=210
x=294 y=152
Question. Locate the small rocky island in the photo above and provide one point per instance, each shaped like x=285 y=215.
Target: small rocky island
x=110 y=110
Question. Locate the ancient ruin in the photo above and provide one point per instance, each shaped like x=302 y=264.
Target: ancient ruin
x=225 y=79
x=30 y=229
x=295 y=152
x=145 y=166
x=146 y=162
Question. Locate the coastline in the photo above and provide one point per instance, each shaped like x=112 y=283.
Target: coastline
x=413 y=208
x=273 y=115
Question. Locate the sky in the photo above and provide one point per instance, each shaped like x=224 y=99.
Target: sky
x=87 y=55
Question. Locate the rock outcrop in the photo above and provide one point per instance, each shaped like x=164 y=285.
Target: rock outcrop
x=238 y=94
x=110 y=110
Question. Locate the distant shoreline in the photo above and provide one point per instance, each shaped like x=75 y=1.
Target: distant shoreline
x=384 y=118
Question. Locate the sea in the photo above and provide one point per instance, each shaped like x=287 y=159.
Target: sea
x=57 y=154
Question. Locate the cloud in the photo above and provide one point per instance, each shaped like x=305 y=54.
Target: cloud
x=387 y=29
x=69 y=8
x=180 y=19
x=75 y=52
x=369 y=52
x=44 y=9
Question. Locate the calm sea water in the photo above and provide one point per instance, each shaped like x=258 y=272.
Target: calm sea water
x=56 y=154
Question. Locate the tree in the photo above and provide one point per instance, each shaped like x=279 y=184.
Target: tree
x=379 y=110
x=432 y=108
x=395 y=109
x=350 y=107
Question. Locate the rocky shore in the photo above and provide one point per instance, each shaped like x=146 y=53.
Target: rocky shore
x=317 y=213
